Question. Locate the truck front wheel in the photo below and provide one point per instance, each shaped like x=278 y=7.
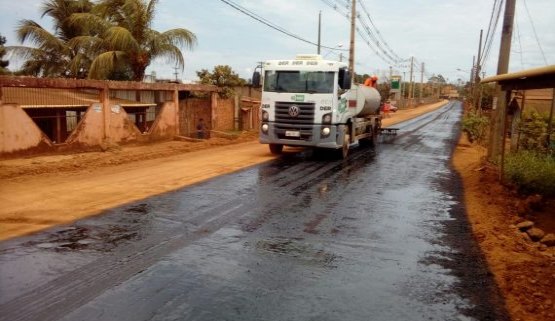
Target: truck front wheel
x=276 y=149
x=344 y=150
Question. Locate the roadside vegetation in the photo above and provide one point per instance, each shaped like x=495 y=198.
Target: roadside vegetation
x=532 y=168
x=475 y=125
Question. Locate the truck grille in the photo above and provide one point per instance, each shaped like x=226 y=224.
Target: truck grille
x=303 y=122
x=306 y=113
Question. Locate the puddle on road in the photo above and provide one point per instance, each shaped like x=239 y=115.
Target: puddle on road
x=102 y=237
x=294 y=248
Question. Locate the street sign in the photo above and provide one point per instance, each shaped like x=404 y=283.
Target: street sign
x=395 y=83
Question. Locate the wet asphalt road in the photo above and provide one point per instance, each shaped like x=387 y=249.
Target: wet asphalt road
x=379 y=236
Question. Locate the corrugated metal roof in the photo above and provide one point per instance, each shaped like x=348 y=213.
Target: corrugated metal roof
x=59 y=98
x=535 y=72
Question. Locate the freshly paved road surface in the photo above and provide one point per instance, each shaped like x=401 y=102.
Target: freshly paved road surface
x=379 y=236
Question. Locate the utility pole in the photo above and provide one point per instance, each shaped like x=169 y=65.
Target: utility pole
x=352 y=43
x=390 y=73
x=410 y=84
x=477 y=73
x=472 y=70
x=319 y=31
x=497 y=133
x=175 y=73
x=421 y=82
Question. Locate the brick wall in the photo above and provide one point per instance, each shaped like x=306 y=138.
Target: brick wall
x=190 y=112
x=224 y=115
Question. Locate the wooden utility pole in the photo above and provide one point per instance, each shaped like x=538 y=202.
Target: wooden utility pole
x=352 y=43
x=410 y=79
x=319 y=31
x=497 y=133
x=421 y=82
x=477 y=86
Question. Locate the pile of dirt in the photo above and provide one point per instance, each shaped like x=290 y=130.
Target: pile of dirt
x=523 y=269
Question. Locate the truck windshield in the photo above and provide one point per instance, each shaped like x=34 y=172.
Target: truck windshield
x=295 y=81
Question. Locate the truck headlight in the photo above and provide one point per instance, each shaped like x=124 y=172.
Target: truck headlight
x=265 y=115
x=326 y=131
x=326 y=118
x=265 y=128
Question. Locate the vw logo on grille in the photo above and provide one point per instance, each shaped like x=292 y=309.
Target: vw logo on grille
x=294 y=111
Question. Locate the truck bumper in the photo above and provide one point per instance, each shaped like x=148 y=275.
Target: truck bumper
x=310 y=136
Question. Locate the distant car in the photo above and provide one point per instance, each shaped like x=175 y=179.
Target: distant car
x=392 y=108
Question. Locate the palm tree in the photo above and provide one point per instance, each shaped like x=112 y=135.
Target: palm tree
x=120 y=33
x=51 y=54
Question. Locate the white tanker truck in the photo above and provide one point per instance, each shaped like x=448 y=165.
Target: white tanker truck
x=311 y=102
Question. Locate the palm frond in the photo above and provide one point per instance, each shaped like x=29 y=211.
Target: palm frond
x=105 y=63
x=119 y=38
x=180 y=37
x=89 y=23
x=31 y=31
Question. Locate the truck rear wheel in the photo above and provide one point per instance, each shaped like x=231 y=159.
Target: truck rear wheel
x=276 y=149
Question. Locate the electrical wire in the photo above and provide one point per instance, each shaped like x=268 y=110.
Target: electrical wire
x=396 y=57
x=494 y=21
x=535 y=34
x=272 y=25
x=368 y=36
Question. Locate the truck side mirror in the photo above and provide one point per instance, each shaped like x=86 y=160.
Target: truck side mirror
x=344 y=79
x=256 y=79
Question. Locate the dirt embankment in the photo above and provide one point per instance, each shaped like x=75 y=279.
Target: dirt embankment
x=524 y=270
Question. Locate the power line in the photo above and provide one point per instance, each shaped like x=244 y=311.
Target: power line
x=368 y=37
x=378 y=31
x=272 y=25
x=494 y=21
x=535 y=34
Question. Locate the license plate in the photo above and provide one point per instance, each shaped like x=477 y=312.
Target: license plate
x=292 y=133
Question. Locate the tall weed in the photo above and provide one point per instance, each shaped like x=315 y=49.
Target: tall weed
x=531 y=172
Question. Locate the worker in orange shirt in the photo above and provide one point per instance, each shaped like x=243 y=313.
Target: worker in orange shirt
x=371 y=81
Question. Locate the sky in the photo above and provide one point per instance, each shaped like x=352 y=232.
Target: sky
x=442 y=34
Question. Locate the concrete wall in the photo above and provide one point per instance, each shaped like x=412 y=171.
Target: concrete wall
x=18 y=132
x=105 y=122
x=165 y=125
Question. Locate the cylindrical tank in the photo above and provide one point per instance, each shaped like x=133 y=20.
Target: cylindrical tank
x=368 y=101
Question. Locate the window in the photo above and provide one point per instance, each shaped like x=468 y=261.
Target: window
x=295 y=81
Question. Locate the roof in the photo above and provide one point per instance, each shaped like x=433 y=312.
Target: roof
x=543 y=77
x=59 y=98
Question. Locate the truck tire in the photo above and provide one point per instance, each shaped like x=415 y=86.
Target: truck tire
x=344 y=150
x=374 y=139
x=276 y=149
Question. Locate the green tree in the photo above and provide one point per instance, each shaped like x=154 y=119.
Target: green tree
x=3 y=63
x=439 y=79
x=223 y=77
x=51 y=54
x=119 y=33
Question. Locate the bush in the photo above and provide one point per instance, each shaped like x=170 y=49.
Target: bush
x=533 y=132
x=475 y=126
x=531 y=172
